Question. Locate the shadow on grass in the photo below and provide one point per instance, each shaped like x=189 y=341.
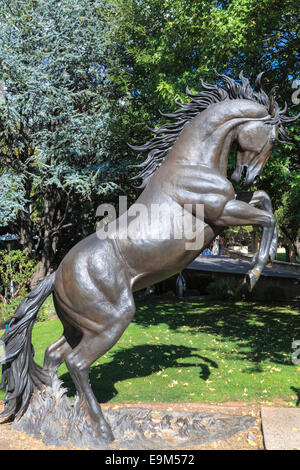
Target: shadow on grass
x=260 y=331
x=139 y=361
x=297 y=392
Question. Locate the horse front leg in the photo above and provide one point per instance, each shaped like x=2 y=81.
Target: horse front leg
x=262 y=200
x=237 y=212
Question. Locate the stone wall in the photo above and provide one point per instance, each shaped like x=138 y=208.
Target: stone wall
x=287 y=288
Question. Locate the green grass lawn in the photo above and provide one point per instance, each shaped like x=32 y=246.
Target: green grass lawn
x=191 y=351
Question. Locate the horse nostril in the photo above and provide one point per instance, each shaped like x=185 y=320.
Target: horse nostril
x=256 y=179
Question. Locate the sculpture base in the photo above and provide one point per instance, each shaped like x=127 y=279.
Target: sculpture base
x=54 y=419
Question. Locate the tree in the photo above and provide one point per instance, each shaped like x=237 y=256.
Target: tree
x=169 y=44
x=288 y=217
x=54 y=122
x=15 y=269
x=11 y=197
x=78 y=80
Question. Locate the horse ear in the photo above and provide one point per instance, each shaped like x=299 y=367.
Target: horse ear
x=272 y=101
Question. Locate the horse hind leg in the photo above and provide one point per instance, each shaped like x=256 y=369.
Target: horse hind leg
x=55 y=353
x=114 y=320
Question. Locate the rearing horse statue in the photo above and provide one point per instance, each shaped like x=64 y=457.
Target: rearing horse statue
x=94 y=284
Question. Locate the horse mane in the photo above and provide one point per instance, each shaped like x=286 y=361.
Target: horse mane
x=158 y=147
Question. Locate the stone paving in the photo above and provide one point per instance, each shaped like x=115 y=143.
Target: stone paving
x=281 y=428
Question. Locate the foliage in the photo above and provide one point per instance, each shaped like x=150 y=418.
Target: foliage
x=46 y=311
x=288 y=214
x=220 y=290
x=7 y=310
x=16 y=267
x=11 y=196
x=170 y=44
x=55 y=139
x=242 y=293
x=273 y=291
x=223 y=290
x=238 y=235
x=80 y=80
x=54 y=109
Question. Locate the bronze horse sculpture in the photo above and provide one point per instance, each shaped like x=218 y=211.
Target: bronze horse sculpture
x=94 y=284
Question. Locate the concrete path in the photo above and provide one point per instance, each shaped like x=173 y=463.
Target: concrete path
x=281 y=428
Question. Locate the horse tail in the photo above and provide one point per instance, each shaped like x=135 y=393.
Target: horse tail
x=20 y=373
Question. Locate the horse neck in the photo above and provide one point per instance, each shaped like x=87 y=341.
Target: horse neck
x=207 y=138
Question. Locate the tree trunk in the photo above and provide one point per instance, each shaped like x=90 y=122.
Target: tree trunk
x=55 y=212
x=25 y=231
x=23 y=225
x=290 y=252
x=254 y=240
x=287 y=253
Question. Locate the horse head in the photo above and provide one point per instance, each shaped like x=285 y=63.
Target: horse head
x=254 y=118
x=255 y=140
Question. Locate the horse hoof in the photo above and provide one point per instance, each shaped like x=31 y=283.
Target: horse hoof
x=106 y=434
x=107 y=437
x=251 y=280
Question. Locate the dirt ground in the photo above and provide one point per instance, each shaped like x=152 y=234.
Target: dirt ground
x=251 y=439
